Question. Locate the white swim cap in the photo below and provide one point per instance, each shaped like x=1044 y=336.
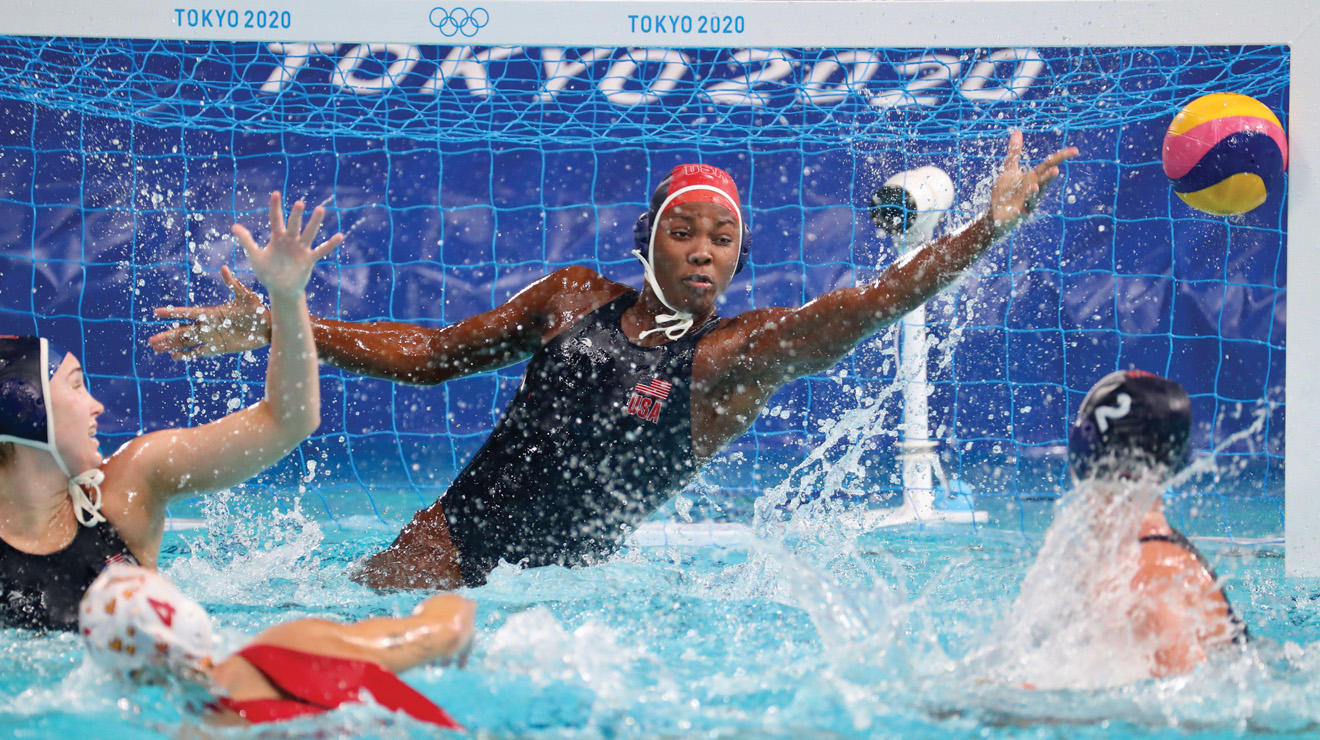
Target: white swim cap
x=141 y=628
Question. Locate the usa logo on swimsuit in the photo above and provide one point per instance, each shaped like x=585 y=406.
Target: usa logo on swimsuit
x=648 y=398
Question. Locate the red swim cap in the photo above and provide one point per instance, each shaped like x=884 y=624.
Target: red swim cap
x=697 y=183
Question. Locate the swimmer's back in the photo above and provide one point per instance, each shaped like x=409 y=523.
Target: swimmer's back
x=1174 y=569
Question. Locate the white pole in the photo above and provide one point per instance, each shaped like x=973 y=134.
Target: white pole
x=911 y=205
x=918 y=476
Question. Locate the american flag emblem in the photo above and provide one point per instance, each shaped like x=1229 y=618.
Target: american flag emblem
x=646 y=400
x=657 y=388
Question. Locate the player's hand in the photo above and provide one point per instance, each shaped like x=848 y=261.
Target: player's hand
x=239 y=325
x=284 y=265
x=1016 y=191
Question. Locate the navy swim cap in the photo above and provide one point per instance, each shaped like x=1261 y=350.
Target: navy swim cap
x=1130 y=420
x=25 y=369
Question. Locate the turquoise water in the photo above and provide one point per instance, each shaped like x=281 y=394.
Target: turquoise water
x=821 y=632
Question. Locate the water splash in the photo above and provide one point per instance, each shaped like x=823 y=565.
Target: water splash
x=848 y=622
x=817 y=490
x=245 y=552
x=808 y=489
x=535 y=644
x=1207 y=465
x=1069 y=626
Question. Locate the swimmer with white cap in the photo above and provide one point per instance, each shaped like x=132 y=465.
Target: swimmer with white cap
x=144 y=631
x=65 y=512
x=628 y=392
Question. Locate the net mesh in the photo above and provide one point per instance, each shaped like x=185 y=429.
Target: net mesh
x=460 y=174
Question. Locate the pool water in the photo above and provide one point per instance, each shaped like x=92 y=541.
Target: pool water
x=701 y=630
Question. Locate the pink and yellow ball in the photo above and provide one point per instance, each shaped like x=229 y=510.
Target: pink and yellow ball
x=1225 y=153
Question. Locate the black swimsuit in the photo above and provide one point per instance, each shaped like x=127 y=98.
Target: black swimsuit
x=1174 y=537
x=42 y=592
x=597 y=438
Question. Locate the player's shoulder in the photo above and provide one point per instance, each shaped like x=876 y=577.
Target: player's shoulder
x=1161 y=558
x=744 y=326
x=578 y=276
x=577 y=284
x=569 y=293
x=130 y=493
x=133 y=464
x=734 y=341
x=569 y=284
x=308 y=633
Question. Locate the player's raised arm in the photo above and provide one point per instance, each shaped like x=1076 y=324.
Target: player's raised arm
x=236 y=447
x=408 y=353
x=390 y=350
x=788 y=343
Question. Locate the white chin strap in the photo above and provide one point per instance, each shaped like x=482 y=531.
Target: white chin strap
x=680 y=321
x=88 y=510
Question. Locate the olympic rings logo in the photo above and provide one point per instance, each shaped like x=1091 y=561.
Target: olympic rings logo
x=459 y=20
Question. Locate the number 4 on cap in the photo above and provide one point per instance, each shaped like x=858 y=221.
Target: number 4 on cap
x=164 y=610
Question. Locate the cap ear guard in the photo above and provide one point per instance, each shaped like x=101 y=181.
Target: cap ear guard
x=24 y=393
x=642 y=232
x=1083 y=444
x=642 y=240
x=27 y=365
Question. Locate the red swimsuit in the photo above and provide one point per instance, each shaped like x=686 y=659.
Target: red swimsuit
x=319 y=683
